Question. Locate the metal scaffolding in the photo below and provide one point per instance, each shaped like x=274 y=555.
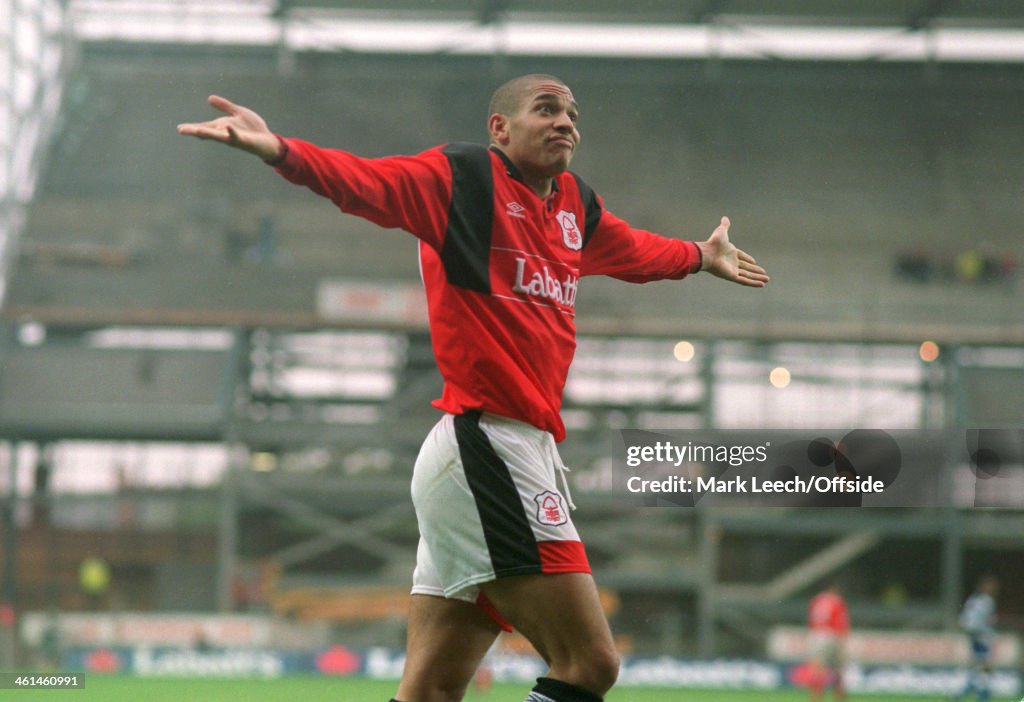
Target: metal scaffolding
x=35 y=52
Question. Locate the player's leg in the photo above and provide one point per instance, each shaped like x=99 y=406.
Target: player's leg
x=976 y=684
x=816 y=685
x=838 y=671
x=817 y=690
x=984 y=678
x=839 y=690
x=968 y=688
x=561 y=615
x=447 y=636
x=977 y=673
x=446 y=641
x=483 y=679
x=489 y=508
x=818 y=667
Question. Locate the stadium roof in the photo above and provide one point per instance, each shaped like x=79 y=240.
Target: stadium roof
x=869 y=30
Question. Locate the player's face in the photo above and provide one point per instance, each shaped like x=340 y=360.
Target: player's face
x=541 y=135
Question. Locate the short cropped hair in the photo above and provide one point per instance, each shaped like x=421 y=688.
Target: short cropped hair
x=509 y=97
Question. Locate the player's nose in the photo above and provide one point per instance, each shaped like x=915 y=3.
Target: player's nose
x=563 y=122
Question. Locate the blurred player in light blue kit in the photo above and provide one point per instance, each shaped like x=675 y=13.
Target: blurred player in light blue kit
x=977 y=619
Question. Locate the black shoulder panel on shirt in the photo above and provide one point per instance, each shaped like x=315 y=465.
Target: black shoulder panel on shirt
x=466 y=251
x=591 y=207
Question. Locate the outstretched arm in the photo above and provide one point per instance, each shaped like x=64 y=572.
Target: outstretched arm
x=241 y=128
x=721 y=258
x=408 y=192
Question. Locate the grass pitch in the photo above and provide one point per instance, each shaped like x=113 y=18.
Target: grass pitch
x=104 y=688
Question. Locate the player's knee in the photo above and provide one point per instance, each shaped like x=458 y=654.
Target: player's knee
x=442 y=692
x=610 y=666
x=601 y=669
x=440 y=686
x=453 y=687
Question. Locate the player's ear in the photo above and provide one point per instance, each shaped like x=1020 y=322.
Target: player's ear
x=497 y=126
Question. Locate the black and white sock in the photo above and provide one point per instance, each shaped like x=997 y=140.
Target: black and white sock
x=551 y=690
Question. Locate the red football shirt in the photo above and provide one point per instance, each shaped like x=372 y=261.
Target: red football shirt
x=501 y=266
x=828 y=613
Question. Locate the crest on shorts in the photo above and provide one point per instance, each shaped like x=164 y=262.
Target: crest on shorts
x=550 y=509
x=571 y=235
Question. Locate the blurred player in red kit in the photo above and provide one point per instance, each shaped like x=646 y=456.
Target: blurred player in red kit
x=829 y=623
x=505 y=234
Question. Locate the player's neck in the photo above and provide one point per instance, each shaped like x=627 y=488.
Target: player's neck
x=541 y=185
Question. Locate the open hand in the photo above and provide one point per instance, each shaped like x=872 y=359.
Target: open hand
x=724 y=260
x=241 y=128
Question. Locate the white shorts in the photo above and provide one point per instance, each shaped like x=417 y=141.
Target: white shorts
x=826 y=648
x=487 y=501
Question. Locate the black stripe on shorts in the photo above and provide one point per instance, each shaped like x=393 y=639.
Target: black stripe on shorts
x=510 y=540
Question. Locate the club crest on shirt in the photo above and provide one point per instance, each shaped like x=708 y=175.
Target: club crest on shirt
x=550 y=509
x=571 y=235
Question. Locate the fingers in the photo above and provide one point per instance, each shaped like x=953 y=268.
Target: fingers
x=223 y=104
x=747 y=262
x=751 y=280
x=196 y=130
x=214 y=129
x=751 y=274
x=746 y=271
x=205 y=130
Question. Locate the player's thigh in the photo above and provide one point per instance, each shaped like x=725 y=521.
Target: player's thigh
x=447 y=639
x=560 y=613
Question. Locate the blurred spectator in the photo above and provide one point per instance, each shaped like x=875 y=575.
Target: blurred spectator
x=94 y=579
x=237 y=242
x=968 y=266
x=265 y=250
x=252 y=239
x=1007 y=267
x=894 y=595
x=247 y=586
x=8 y=632
x=49 y=653
x=41 y=486
x=915 y=265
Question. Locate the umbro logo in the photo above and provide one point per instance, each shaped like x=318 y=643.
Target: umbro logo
x=514 y=209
